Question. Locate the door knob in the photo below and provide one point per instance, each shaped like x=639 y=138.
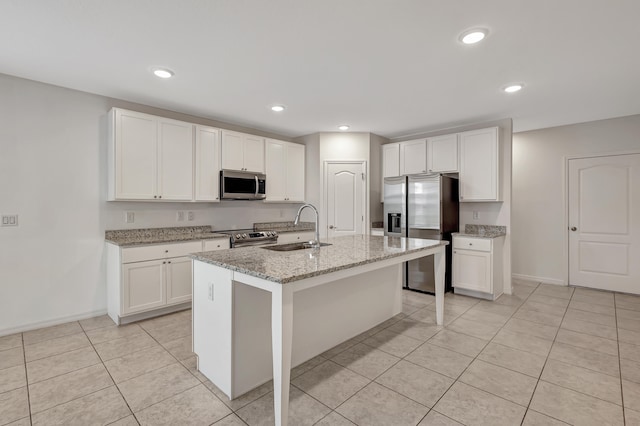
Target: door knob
x=573 y=228
x=330 y=226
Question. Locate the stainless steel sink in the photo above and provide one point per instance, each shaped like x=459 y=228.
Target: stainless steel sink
x=292 y=246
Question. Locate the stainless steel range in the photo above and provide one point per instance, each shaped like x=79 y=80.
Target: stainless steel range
x=249 y=237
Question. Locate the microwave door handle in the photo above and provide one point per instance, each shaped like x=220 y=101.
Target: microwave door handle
x=257 y=185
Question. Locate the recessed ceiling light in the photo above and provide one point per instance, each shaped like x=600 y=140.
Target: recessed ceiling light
x=277 y=108
x=344 y=127
x=473 y=36
x=163 y=73
x=513 y=88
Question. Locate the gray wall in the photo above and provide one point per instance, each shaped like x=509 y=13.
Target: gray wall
x=540 y=243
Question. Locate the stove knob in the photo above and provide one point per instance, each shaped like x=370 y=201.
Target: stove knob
x=238 y=236
x=269 y=234
x=244 y=235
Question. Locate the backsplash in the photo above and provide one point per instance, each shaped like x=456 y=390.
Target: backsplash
x=284 y=226
x=485 y=229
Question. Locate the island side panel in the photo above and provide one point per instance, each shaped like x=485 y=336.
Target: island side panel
x=212 y=323
x=323 y=317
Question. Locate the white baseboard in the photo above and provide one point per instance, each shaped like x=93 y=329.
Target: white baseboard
x=49 y=323
x=543 y=280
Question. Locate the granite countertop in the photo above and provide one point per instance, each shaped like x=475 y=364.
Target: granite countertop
x=281 y=227
x=343 y=253
x=137 y=237
x=482 y=231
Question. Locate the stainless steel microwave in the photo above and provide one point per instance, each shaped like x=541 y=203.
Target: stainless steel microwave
x=235 y=185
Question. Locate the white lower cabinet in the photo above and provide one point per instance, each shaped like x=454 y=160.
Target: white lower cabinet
x=149 y=278
x=477 y=266
x=296 y=237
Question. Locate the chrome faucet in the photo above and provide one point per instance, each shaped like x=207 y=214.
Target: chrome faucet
x=315 y=243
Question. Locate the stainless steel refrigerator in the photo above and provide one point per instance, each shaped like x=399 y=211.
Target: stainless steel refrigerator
x=422 y=206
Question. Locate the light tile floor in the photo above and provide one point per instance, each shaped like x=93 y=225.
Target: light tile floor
x=546 y=355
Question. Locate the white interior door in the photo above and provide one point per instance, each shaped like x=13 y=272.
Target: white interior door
x=604 y=222
x=345 y=198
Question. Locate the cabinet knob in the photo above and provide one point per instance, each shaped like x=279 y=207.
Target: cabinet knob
x=169 y=262
x=155 y=196
x=159 y=196
x=166 y=251
x=330 y=226
x=164 y=263
x=573 y=228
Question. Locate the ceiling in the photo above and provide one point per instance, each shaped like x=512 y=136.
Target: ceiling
x=391 y=67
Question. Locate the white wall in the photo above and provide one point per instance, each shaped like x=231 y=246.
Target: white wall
x=539 y=189
x=53 y=175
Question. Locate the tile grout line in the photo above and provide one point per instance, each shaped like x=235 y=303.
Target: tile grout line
x=615 y=310
x=26 y=378
x=547 y=359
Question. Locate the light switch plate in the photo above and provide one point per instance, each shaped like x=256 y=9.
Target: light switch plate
x=180 y=216
x=9 y=220
x=191 y=216
x=475 y=215
x=129 y=217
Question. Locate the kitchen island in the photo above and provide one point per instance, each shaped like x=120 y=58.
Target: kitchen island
x=258 y=312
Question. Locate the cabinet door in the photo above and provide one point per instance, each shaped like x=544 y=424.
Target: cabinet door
x=413 y=157
x=178 y=280
x=232 y=150
x=143 y=286
x=472 y=270
x=253 y=154
x=207 y=164
x=479 y=165
x=295 y=172
x=276 y=170
x=391 y=160
x=135 y=159
x=442 y=154
x=175 y=160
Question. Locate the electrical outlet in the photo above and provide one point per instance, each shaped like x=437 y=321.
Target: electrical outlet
x=10 y=220
x=475 y=215
x=191 y=216
x=129 y=217
x=180 y=216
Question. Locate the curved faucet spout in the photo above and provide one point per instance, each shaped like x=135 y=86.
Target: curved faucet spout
x=315 y=243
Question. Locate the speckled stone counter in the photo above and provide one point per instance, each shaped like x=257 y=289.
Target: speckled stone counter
x=284 y=226
x=483 y=231
x=135 y=237
x=343 y=253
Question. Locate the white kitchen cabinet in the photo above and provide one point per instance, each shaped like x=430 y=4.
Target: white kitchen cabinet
x=178 y=274
x=144 y=279
x=284 y=162
x=479 y=165
x=442 y=154
x=477 y=266
x=241 y=151
x=207 y=159
x=217 y=244
x=296 y=237
x=150 y=158
x=390 y=163
x=413 y=157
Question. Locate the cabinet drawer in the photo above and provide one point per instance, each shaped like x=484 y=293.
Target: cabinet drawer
x=217 y=244
x=478 y=244
x=161 y=251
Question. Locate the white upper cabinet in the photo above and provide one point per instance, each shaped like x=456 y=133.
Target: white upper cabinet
x=285 y=171
x=175 y=160
x=150 y=158
x=241 y=151
x=207 y=176
x=479 y=165
x=391 y=160
x=442 y=154
x=413 y=157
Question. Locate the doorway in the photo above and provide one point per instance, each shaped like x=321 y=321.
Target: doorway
x=604 y=222
x=345 y=196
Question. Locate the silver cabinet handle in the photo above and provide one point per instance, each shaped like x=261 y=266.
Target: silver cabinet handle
x=256 y=177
